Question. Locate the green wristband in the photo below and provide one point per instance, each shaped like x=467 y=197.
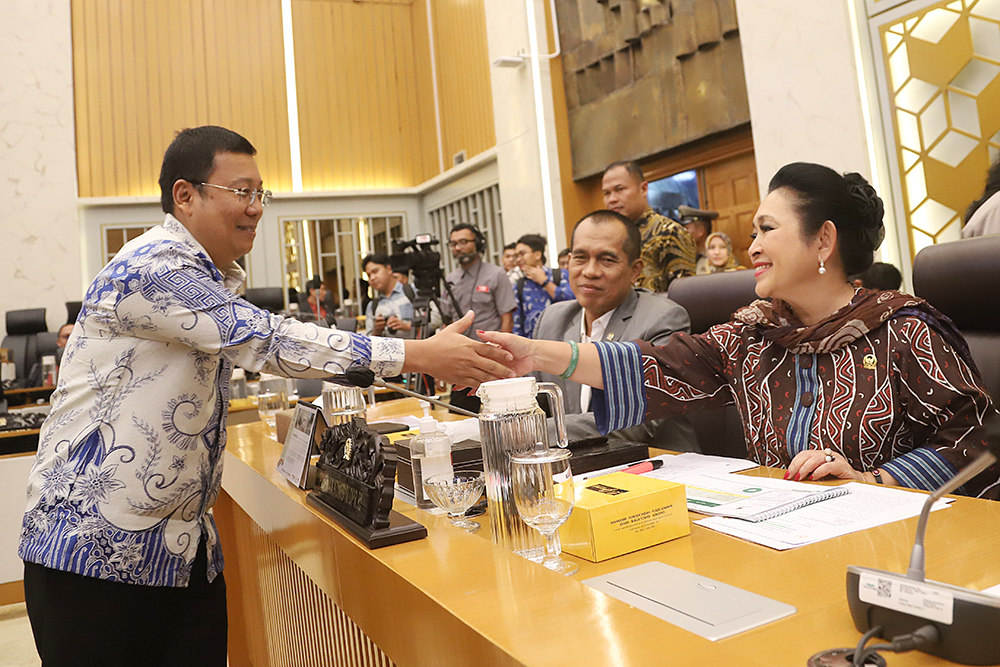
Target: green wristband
x=572 y=361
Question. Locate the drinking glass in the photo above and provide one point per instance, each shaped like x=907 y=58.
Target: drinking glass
x=271 y=399
x=455 y=493
x=544 y=495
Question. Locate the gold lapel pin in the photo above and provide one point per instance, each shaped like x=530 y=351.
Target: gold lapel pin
x=611 y=336
x=869 y=362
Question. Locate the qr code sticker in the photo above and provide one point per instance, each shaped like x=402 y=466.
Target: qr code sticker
x=884 y=588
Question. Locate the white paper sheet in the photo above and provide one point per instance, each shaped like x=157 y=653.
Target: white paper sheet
x=676 y=466
x=866 y=506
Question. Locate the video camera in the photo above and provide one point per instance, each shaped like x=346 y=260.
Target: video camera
x=425 y=263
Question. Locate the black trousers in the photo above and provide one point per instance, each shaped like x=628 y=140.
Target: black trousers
x=81 y=621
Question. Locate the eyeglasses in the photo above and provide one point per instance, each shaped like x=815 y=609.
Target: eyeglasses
x=242 y=193
x=462 y=242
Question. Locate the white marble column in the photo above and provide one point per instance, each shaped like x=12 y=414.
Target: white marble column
x=40 y=247
x=519 y=159
x=810 y=88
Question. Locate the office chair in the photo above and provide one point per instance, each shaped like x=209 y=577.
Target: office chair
x=23 y=327
x=268 y=298
x=961 y=280
x=709 y=300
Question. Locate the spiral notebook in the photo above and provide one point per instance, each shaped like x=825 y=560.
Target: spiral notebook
x=752 y=498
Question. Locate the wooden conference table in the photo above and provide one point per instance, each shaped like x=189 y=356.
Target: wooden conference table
x=304 y=592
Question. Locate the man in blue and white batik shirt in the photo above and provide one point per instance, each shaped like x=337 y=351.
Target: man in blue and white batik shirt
x=122 y=557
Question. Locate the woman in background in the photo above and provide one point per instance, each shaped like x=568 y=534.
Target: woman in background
x=829 y=380
x=982 y=218
x=719 y=251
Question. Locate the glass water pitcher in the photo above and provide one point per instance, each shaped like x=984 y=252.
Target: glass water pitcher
x=510 y=422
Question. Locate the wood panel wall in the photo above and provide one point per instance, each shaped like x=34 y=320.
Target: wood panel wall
x=463 y=70
x=144 y=69
x=363 y=76
x=277 y=615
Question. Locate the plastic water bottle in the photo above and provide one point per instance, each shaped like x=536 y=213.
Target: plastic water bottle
x=430 y=454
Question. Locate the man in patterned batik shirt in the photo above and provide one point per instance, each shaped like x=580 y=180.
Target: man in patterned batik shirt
x=668 y=250
x=122 y=558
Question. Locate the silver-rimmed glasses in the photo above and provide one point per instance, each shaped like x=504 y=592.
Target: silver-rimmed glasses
x=242 y=193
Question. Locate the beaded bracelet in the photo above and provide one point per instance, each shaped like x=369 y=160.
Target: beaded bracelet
x=572 y=361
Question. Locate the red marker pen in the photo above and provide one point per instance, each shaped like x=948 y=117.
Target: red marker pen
x=645 y=466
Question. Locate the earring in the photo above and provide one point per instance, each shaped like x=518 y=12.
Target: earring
x=822 y=269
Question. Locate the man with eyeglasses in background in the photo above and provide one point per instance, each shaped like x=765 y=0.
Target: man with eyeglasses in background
x=478 y=286
x=123 y=564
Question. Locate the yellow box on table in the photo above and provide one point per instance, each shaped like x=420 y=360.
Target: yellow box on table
x=619 y=513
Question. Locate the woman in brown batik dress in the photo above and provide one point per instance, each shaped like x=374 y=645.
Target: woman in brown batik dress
x=828 y=379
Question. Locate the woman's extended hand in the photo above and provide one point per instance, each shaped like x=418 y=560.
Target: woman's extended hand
x=812 y=464
x=520 y=349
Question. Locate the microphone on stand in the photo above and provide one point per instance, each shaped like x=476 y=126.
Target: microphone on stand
x=966 y=621
x=365 y=377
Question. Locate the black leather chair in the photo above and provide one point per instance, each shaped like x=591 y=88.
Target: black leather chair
x=23 y=327
x=73 y=311
x=47 y=343
x=712 y=299
x=962 y=279
x=268 y=298
x=709 y=300
x=347 y=324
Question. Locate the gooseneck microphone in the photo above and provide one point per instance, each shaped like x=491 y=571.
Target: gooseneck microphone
x=363 y=377
x=916 y=569
x=966 y=621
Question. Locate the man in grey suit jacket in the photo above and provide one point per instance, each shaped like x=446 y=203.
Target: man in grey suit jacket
x=604 y=264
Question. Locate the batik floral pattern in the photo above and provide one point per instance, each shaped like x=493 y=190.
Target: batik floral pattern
x=130 y=459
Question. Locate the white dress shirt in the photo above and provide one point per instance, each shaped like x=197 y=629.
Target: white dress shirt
x=597 y=329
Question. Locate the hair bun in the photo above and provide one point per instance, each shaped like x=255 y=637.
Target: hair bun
x=870 y=208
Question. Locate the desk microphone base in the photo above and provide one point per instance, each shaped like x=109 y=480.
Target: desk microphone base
x=968 y=633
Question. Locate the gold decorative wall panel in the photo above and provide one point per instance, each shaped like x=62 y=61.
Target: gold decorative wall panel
x=943 y=73
x=366 y=109
x=463 y=70
x=143 y=69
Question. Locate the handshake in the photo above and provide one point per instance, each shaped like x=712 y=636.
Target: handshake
x=453 y=357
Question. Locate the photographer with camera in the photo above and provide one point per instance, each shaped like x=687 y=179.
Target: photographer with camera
x=479 y=286
x=390 y=313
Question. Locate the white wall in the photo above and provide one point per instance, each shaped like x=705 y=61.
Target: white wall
x=811 y=90
x=517 y=128
x=40 y=250
x=801 y=71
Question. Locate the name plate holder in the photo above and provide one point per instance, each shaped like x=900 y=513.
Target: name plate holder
x=355 y=479
x=301 y=440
